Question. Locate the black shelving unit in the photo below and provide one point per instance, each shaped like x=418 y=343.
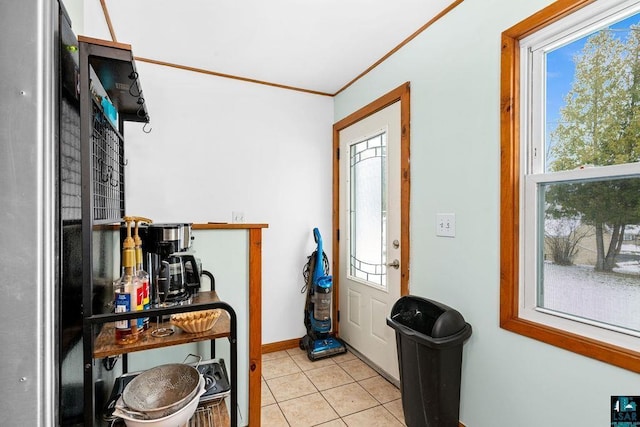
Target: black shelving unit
x=102 y=207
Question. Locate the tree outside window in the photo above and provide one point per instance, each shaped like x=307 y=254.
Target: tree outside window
x=600 y=126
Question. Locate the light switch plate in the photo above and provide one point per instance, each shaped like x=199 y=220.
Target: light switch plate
x=237 y=217
x=446 y=224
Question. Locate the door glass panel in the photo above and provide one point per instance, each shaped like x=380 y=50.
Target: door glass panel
x=368 y=210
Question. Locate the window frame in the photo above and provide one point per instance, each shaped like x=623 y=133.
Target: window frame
x=512 y=127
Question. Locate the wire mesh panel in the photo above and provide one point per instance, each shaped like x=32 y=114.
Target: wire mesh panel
x=108 y=169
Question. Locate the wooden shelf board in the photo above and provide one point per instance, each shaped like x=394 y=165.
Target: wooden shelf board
x=105 y=344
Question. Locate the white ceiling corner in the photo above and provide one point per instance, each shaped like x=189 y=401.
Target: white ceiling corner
x=317 y=45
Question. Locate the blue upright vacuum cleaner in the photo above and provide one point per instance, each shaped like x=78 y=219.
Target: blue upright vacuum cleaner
x=318 y=343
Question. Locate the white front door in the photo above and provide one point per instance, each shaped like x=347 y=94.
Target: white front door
x=370 y=227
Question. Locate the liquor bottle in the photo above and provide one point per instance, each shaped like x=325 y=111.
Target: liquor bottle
x=126 y=331
x=142 y=275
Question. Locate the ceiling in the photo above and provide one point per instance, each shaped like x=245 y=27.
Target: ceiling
x=314 y=45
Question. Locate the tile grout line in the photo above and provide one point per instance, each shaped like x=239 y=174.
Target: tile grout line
x=286 y=420
x=355 y=381
x=320 y=392
x=276 y=402
x=322 y=395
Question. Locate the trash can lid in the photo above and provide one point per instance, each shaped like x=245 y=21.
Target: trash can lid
x=427 y=317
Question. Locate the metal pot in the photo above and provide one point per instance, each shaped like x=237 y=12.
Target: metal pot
x=161 y=391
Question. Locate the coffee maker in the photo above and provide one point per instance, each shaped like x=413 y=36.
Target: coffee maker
x=174 y=271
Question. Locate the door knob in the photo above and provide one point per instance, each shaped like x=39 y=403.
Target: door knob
x=395 y=264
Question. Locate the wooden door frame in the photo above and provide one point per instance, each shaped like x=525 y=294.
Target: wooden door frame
x=402 y=94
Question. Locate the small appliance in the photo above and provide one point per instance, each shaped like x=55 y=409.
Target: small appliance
x=318 y=342
x=175 y=273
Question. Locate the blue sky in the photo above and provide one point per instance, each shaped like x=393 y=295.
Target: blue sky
x=561 y=69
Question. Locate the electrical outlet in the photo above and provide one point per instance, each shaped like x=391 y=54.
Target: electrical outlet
x=446 y=225
x=237 y=217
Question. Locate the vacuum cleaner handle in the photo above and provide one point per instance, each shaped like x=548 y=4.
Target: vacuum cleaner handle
x=318 y=271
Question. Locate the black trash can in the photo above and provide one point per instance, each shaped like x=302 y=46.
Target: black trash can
x=429 y=337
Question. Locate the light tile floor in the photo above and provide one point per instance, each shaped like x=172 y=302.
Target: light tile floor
x=338 y=391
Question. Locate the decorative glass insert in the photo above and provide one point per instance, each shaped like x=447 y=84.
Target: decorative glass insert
x=368 y=210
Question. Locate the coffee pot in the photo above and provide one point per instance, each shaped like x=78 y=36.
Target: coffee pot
x=168 y=263
x=172 y=262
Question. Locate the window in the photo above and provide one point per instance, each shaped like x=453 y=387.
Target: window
x=570 y=184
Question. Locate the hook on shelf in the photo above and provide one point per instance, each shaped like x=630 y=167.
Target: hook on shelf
x=141 y=113
x=134 y=76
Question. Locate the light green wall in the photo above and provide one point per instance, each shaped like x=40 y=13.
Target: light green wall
x=224 y=253
x=454 y=70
